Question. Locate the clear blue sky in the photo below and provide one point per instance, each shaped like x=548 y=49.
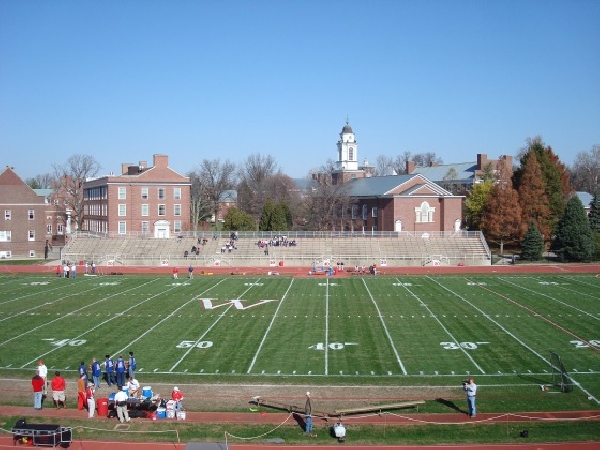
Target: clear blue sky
x=123 y=80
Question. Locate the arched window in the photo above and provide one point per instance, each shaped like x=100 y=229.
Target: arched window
x=424 y=213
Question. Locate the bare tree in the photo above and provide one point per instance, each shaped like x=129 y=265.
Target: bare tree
x=586 y=170
x=384 y=166
x=400 y=162
x=200 y=206
x=69 y=179
x=217 y=177
x=450 y=175
x=326 y=205
x=41 y=181
x=254 y=176
x=426 y=159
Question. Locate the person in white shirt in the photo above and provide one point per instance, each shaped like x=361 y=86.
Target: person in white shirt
x=471 y=389
x=133 y=387
x=43 y=372
x=121 y=405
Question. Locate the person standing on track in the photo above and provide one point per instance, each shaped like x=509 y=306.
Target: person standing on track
x=308 y=415
x=43 y=372
x=132 y=366
x=59 y=386
x=120 y=368
x=38 y=384
x=121 y=405
x=96 y=373
x=470 y=388
x=110 y=371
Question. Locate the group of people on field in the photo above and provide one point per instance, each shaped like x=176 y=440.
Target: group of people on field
x=69 y=269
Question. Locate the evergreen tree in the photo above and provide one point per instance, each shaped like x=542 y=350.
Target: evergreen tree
x=594 y=216
x=236 y=220
x=556 y=180
x=265 y=223
x=574 y=239
x=532 y=246
x=281 y=219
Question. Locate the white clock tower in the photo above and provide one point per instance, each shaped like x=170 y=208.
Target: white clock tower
x=347 y=150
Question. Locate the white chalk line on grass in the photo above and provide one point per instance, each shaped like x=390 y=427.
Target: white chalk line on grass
x=496 y=418
x=387 y=333
x=96 y=325
x=11 y=288
x=560 y=286
x=168 y=317
x=488 y=317
x=545 y=319
x=227 y=433
x=45 y=293
x=456 y=341
x=219 y=317
x=67 y=315
x=267 y=331
x=550 y=297
x=581 y=279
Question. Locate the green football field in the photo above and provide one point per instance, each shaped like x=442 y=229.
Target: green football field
x=408 y=329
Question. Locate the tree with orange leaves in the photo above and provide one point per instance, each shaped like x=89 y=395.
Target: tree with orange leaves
x=502 y=214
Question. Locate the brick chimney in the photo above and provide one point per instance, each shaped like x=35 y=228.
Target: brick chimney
x=125 y=168
x=161 y=161
x=410 y=166
x=481 y=160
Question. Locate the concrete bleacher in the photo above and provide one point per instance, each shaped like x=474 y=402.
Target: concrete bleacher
x=391 y=249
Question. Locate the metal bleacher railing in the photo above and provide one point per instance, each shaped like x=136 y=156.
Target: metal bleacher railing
x=290 y=248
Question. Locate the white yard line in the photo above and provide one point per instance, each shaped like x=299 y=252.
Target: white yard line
x=488 y=317
x=456 y=341
x=68 y=315
x=37 y=294
x=264 y=338
x=189 y=350
x=551 y=298
x=170 y=316
x=590 y=396
x=387 y=333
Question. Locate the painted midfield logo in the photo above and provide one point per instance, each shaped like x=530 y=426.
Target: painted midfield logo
x=208 y=303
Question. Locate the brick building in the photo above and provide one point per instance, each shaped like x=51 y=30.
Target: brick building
x=23 y=230
x=395 y=202
x=142 y=201
x=403 y=203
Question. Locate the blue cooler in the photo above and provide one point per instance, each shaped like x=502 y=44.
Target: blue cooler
x=161 y=413
x=147 y=391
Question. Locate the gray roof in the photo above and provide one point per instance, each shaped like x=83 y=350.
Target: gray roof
x=465 y=171
x=46 y=193
x=380 y=186
x=585 y=197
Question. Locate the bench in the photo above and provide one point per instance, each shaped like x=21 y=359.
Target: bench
x=268 y=403
x=379 y=408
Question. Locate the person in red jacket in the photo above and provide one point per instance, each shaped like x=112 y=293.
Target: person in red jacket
x=37 y=383
x=177 y=396
x=58 y=385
